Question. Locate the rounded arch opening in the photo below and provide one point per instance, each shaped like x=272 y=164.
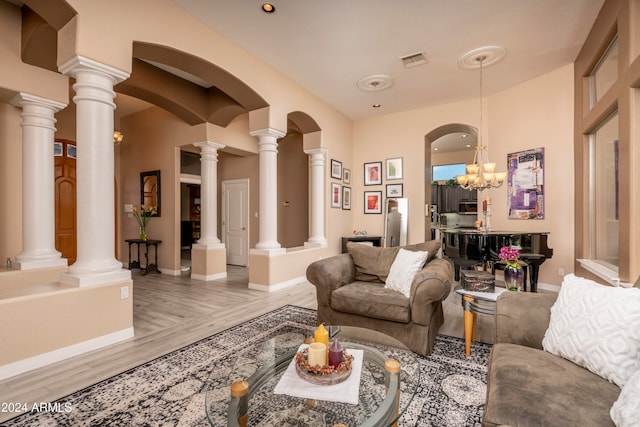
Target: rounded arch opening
x=439 y=134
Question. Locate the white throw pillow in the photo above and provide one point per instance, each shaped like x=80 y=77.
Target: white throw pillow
x=404 y=269
x=596 y=327
x=625 y=411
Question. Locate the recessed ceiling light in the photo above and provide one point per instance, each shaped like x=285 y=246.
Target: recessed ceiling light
x=464 y=135
x=268 y=7
x=376 y=105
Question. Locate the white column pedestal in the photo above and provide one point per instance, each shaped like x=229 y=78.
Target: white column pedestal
x=38 y=183
x=96 y=261
x=317 y=165
x=268 y=219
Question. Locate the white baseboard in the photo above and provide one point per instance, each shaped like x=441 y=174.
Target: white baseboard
x=209 y=277
x=25 y=365
x=277 y=286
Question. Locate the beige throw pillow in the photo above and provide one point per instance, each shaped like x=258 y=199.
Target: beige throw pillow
x=372 y=263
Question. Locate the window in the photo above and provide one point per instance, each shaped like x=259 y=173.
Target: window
x=604 y=194
x=605 y=73
x=447 y=172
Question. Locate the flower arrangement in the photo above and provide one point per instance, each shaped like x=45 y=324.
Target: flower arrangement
x=142 y=216
x=510 y=255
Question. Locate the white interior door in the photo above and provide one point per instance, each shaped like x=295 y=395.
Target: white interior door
x=235 y=220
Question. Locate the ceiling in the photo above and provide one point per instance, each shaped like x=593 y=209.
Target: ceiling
x=328 y=46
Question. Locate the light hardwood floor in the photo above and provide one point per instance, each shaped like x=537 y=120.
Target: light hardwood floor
x=171 y=312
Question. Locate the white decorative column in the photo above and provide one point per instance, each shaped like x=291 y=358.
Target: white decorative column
x=317 y=164
x=38 y=183
x=96 y=263
x=209 y=193
x=268 y=161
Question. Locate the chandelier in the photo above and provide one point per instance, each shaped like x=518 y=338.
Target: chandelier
x=481 y=173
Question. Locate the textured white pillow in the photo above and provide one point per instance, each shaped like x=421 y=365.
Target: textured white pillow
x=625 y=412
x=404 y=269
x=596 y=327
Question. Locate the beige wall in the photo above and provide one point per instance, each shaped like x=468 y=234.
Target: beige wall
x=10 y=182
x=537 y=113
x=293 y=192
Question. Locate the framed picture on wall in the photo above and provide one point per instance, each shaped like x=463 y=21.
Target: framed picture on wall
x=346 y=176
x=525 y=184
x=373 y=173
x=394 y=190
x=373 y=202
x=336 y=195
x=336 y=169
x=346 y=198
x=394 y=168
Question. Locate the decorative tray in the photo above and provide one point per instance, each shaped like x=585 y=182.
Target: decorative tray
x=325 y=375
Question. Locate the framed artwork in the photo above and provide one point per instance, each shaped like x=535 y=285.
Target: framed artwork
x=394 y=190
x=336 y=169
x=346 y=198
x=346 y=176
x=373 y=202
x=336 y=195
x=525 y=184
x=394 y=168
x=373 y=173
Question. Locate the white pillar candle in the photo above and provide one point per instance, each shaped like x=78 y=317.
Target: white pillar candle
x=317 y=354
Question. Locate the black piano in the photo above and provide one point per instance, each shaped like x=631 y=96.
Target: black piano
x=467 y=247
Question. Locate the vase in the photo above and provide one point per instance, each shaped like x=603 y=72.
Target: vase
x=513 y=277
x=143 y=233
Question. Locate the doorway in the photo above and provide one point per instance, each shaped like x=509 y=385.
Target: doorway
x=235 y=220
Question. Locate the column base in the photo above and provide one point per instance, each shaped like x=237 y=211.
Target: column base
x=42 y=263
x=91 y=279
x=208 y=262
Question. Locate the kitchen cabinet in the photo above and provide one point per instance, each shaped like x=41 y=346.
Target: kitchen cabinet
x=449 y=197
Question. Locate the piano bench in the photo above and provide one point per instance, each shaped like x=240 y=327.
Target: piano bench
x=500 y=266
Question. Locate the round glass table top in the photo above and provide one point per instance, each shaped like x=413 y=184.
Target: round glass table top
x=263 y=363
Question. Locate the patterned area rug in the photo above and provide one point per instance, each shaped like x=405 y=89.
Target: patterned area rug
x=170 y=390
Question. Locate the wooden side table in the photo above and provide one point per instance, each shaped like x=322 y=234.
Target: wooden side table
x=149 y=267
x=472 y=304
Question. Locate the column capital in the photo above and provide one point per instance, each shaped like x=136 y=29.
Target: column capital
x=23 y=98
x=80 y=63
x=209 y=145
x=275 y=133
x=316 y=151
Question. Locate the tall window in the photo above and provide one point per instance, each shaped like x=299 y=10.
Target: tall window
x=604 y=194
x=605 y=73
x=607 y=146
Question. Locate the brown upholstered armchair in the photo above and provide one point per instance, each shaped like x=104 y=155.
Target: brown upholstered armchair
x=351 y=292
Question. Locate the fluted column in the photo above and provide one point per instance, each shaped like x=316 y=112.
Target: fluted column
x=209 y=193
x=268 y=161
x=317 y=165
x=38 y=183
x=96 y=261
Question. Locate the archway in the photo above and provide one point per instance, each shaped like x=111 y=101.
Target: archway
x=429 y=139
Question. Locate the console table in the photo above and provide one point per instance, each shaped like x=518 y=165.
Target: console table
x=374 y=240
x=153 y=266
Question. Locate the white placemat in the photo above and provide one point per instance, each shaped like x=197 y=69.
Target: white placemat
x=347 y=391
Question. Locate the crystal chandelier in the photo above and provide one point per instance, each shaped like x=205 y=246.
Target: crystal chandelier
x=481 y=173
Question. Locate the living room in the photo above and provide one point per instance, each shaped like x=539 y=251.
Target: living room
x=539 y=112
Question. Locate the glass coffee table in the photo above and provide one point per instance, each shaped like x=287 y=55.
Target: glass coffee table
x=245 y=395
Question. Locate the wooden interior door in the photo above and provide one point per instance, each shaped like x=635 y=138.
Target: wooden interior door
x=65 y=199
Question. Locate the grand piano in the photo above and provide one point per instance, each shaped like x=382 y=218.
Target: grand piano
x=467 y=247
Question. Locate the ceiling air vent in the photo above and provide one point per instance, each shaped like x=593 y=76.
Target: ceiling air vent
x=413 y=60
